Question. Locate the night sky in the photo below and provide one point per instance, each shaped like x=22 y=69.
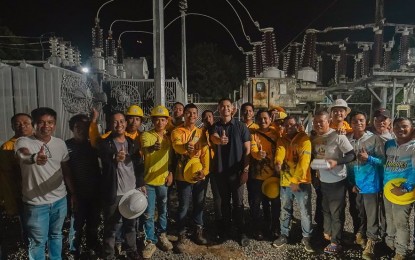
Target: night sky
x=74 y=19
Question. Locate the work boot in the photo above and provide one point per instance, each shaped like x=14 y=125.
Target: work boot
x=399 y=257
x=149 y=249
x=369 y=253
x=182 y=243
x=198 y=236
x=164 y=242
x=134 y=255
x=360 y=240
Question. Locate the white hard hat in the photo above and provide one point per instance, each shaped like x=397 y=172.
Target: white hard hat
x=133 y=204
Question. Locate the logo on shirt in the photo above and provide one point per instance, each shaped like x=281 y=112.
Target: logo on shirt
x=396 y=166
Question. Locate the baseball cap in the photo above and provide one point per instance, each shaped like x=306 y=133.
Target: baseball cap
x=382 y=112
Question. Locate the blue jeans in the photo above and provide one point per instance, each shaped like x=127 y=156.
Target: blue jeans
x=44 y=224
x=188 y=191
x=303 y=197
x=155 y=194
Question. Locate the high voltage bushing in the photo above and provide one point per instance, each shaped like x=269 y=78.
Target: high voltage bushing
x=404 y=49
x=293 y=59
x=97 y=37
x=54 y=46
x=70 y=55
x=342 y=62
x=269 y=48
x=387 y=55
x=336 y=59
x=77 y=57
x=257 y=58
x=249 y=64
x=110 y=47
x=377 y=49
x=308 y=53
x=120 y=56
x=357 y=66
x=365 y=61
x=319 y=68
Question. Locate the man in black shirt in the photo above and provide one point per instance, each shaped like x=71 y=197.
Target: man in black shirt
x=83 y=161
x=231 y=165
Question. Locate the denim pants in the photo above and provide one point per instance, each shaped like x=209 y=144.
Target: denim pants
x=88 y=215
x=155 y=194
x=368 y=207
x=303 y=197
x=256 y=198
x=230 y=189
x=112 y=218
x=44 y=224
x=333 y=207
x=196 y=193
x=397 y=225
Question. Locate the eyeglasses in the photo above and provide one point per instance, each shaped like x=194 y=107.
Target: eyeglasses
x=47 y=151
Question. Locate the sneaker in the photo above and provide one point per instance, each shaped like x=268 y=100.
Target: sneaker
x=369 y=252
x=164 y=242
x=361 y=240
x=182 y=243
x=149 y=250
x=244 y=240
x=307 y=244
x=282 y=240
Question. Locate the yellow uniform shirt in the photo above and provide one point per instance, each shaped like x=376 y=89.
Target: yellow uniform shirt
x=252 y=127
x=10 y=178
x=344 y=126
x=181 y=136
x=294 y=157
x=263 y=168
x=156 y=163
x=172 y=125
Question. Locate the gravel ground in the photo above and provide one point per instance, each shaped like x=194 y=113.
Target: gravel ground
x=229 y=249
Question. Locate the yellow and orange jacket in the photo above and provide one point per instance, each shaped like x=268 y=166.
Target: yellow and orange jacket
x=263 y=168
x=180 y=137
x=341 y=126
x=94 y=135
x=294 y=156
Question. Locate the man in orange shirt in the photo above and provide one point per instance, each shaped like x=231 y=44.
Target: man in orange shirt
x=338 y=112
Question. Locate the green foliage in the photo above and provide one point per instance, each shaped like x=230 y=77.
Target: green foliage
x=17 y=48
x=211 y=73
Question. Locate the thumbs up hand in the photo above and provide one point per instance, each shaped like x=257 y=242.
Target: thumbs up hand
x=262 y=153
x=363 y=155
x=41 y=158
x=190 y=147
x=157 y=145
x=224 y=139
x=121 y=155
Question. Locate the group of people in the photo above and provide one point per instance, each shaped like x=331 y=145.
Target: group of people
x=44 y=177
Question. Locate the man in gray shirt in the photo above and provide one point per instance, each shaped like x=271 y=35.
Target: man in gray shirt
x=336 y=150
x=122 y=171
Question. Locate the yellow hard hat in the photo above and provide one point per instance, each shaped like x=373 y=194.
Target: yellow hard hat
x=271 y=187
x=191 y=168
x=405 y=199
x=160 y=111
x=134 y=110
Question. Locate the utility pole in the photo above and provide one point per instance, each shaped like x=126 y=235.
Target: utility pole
x=158 y=53
x=183 y=9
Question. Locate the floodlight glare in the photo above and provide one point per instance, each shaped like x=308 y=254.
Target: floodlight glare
x=85 y=69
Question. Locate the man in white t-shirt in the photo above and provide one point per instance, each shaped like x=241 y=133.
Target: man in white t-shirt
x=336 y=150
x=45 y=177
